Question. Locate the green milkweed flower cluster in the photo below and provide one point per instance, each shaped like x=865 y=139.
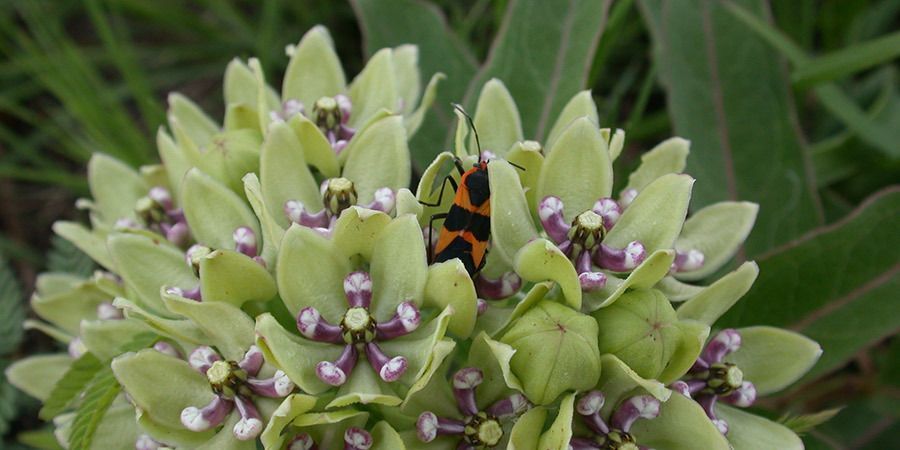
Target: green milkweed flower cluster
x=268 y=285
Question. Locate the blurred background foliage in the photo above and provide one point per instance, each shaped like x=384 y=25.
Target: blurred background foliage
x=793 y=105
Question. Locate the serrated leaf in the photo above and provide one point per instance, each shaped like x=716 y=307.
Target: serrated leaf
x=837 y=285
x=65 y=257
x=12 y=311
x=70 y=385
x=734 y=125
x=97 y=400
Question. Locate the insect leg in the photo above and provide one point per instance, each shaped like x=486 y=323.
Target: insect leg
x=447 y=179
x=430 y=231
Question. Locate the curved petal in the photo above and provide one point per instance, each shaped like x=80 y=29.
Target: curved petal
x=644 y=276
x=577 y=169
x=750 y=432
x=717 y=231
x=294 y=355
x=385 y=438
x=378 y=157
x=239 y=84
x=178 y=329
x=449 y=284
x=161 y=386
x=677 y=291
x=656 y=215
x=227 y=327
x=406 y=73
x=235 y=278
x=617 y=380
x=772 y=358
x=493 y=358
x=430 y=392
x=511 y=219
x=173 y=159
x=418 y=347
x=560 y=432
x=271 y=231
x=357 y=231
x=398 y=267
x=540 y=260
x=284 y=174
x=693 y=338
x=115 y=188
x=198 y=126
x=365 y=387
x=527 y=155
x=37 y=375
x=292 y=406
x=681 y=425
x=526 y=432
x=105 y=338
x=497 y=118
x=374 y=89
x=408 y=204
x=314 y=70
x=430 y=186
x=146 y=265
x=66 y=309
x=311 y=273
x=710 y=303
x=581 y=105
x=91 y=243
x=669 y=156
x=213 y=211
x=316 y=150
x=414 y=121
x=321 y=426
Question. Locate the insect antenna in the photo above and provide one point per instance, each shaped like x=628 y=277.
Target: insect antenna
x=471 y=123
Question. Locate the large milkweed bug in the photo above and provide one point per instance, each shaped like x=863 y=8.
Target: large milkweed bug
x=467 y=225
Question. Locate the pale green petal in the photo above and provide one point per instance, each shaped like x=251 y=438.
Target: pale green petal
x=640 y=329
x=616 y=142
x=750 y=432
x=527 y=430
x=449 y=284
x=560 y=432
x=239 y=83
x=161 y=385
x=553 y=342
x=316 y=150
x=418 y=347
x=292 y=406
x=50 y=330
x=581 y=105
x=231 y=155
x=224 y=438
x=364 y=386
x=430 y=186
x=618 y=380
x=656 y=215
x=773 y=358
x=693 y=338
x=214 y=212
x=284 y=174
x=115 y=188
x=644 y=276
x=227 y=327
x=154 y=175
x=321 y=426
x=311 y=273
x=266 y=98
x=717 y=231
x=408 y=204
x=374 y=89
x=540 y=260
x=669 y=156
x=235 y=278
x=710 y=303
x=175 y=436
x=178 y=329
x=681 y=425
x=173 y=159
x=498 y=377
x=499 y=318
x=241 y=116
x=146 y=265
x=677 y=291
x=66 y=309
x=271 y=231
x=497 y=119
x=414 y=120
x=378 y=157
x=511 y=225
x=294 y=355
x=406 y=73
x=357 y=231
x=527 y=155
x=91 y=243
x=577 y=169
x=385 y=438
x=37 y=375
x=52 y=283
x=105 y=338
x=198 y=126
x=433 y=393
x=398 y=267
x=314 y=70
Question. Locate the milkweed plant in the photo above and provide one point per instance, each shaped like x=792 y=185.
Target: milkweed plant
x=268 y=285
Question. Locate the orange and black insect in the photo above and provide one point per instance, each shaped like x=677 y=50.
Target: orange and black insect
x=467 y=225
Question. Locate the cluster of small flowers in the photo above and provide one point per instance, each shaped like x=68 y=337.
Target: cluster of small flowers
x=269 y=253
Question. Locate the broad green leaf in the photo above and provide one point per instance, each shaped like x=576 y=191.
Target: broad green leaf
x=392 y=23
x=543 y=53
x=497 y=118
x=836 y=285
x=314 y=70
x=742 y=144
